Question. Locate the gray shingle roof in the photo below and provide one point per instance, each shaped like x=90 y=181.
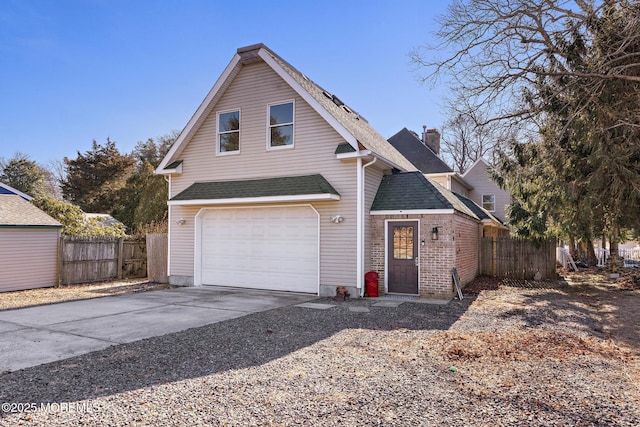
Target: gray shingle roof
x=17 y=212
x=413 y=191
x=268 y=187
x=423 y=157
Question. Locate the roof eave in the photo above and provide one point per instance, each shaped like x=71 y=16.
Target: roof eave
x=255 y=200
x=173 y=171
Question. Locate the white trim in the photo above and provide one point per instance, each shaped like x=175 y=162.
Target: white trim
x=328 y=117
x=359 y=223
x=176 y=170
x=353 y=155
x=197 y=264
x=386 y=250
x=169 y=233
x=493 y=196
x=414 y=212
x=16 y=192
x=367 y=153
x=177 y=146
x=248 y=200
x=227 y=153
x=293 y=124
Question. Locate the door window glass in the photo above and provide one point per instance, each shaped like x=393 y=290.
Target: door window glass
x=403 y=242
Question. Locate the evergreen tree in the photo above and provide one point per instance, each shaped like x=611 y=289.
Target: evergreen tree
x=23 y=174
x=94 y=178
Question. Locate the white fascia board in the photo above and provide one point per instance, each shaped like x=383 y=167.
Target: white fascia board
x=354 y=155
x=178 y=145
x=328 y=117
x=177 y=171
x=255 y=200
x=368 y=153
x=414 y=212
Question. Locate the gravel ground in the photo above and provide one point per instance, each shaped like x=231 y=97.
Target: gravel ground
x=509 y=354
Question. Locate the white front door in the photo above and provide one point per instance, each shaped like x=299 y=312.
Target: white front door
x=264 y=248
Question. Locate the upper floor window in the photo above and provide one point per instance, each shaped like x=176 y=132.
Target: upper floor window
x=228 y=132
x=489 y=202
x=280 y=132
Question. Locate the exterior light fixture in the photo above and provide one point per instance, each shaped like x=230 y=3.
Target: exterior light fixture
x=434 y=233
x=337 y=219
x=181 y=221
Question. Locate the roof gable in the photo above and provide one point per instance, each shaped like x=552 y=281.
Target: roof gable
x=480 y=162
x=348 y=123
x=423 y=157
x=17 y=212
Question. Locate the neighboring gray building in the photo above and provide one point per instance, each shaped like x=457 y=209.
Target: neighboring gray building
x=29 y=241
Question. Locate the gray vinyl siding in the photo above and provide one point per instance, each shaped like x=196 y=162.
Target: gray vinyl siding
x=256 y=86
x=29 y=258
x=479 y=178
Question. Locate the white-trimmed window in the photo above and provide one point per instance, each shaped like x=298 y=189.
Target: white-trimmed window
x=228 y=139
x=280 y=127
x=489 y=202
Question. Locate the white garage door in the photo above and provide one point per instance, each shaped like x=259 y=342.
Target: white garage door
x=263 y=248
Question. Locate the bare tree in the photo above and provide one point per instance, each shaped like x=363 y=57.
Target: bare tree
x=494 y=50
x=465 y=139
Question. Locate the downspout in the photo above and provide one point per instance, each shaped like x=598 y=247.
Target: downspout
x=168 y=179
x=360 y=226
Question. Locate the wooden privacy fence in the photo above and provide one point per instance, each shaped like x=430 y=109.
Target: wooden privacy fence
x=518 y=258
x=85 y=260
x=157 y=255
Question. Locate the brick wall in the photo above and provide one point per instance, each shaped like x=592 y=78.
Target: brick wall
x=457 y=245
x=467 y=261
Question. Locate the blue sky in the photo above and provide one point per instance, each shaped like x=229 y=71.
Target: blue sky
x=75 y=71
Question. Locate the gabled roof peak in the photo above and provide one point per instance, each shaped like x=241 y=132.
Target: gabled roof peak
x=348 y=123
x=249 y=54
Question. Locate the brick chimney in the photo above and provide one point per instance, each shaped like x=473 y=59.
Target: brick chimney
x=431 y=138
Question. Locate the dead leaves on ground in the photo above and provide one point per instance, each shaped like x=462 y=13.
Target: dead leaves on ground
x=492 y=347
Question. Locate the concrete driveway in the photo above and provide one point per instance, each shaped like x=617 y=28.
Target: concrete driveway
x=37 y=335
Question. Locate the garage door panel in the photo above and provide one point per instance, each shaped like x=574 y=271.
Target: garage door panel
x=267 y=248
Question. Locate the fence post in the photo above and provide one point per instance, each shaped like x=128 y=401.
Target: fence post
x=120 y=256
x=494 y=255
x=60 y=255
